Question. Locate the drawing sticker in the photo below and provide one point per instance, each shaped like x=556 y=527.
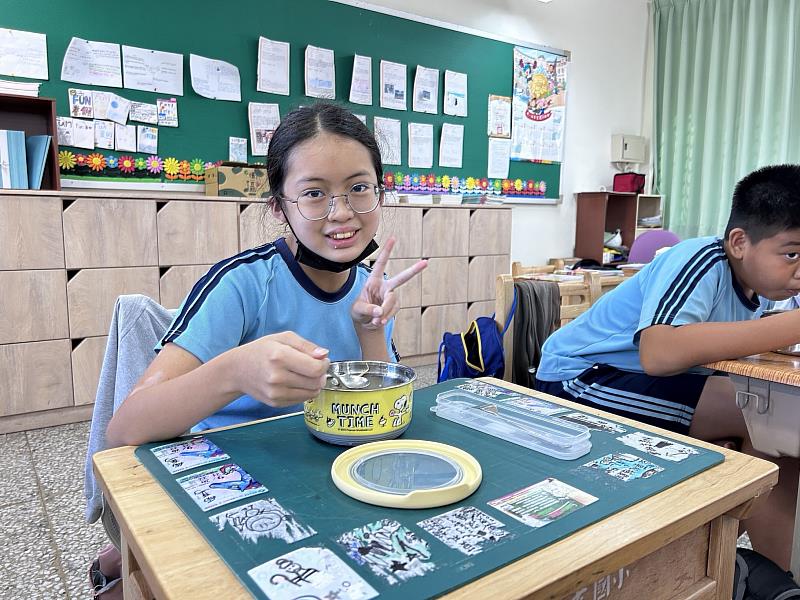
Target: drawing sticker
x=466 y=529
x=536 y=405
x=187 y=454
x=480 y=388
x=625 y=467
x=660 y=447
x=310 y=574
x=593 y=422
x=543 y=502
x=263 y=519
x=220 y=485
x=389 y=550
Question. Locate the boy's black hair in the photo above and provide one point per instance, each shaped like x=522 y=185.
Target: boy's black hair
x=766 y=202
x=308 y=121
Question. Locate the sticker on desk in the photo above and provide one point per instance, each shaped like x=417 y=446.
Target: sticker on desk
x=390 y=550
x=543 y=502
x=593 y=422
x=310 y=573
x=536 y=405
x=263 y=519
x=660 y=447
x=187 y=454
x=466 y=529
x=624 y=467
x=485 y=390
x=220 y=485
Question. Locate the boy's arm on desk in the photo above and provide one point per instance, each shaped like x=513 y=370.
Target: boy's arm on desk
x=666 y=350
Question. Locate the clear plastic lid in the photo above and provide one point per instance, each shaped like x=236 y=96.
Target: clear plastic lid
x=545 y=434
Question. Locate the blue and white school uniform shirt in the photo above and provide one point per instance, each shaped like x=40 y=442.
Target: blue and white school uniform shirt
x=261 y=292
x=691 y=282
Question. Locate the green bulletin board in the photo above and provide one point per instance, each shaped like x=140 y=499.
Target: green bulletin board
x=230 y=32
x=295 y=467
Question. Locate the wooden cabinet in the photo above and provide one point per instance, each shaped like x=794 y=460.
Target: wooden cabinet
x=34 y=116
x=466 y=249
x=598 y=212
x=66 y=256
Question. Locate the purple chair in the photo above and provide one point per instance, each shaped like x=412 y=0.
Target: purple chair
x=644 y=247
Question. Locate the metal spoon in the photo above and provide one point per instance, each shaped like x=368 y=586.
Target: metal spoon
x=351 y=381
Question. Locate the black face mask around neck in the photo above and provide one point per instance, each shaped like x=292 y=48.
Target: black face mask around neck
x=306 y=256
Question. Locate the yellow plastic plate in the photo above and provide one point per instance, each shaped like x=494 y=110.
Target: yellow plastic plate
x=406 y=473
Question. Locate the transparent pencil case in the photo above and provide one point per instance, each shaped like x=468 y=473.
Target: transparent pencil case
x=545 y=434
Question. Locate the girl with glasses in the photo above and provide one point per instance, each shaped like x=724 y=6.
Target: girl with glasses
x=256 y=334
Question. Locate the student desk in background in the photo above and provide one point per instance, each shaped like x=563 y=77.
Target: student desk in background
x=768 y=393
x=678 y=543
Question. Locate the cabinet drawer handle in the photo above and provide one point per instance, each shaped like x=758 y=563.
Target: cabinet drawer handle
x=762 y=404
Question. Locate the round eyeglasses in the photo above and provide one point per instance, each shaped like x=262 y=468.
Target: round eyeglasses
x=316 y=204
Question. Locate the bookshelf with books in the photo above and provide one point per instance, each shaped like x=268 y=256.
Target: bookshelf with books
x=34 y=116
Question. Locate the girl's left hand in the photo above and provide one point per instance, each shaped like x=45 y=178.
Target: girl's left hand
x=377 y=302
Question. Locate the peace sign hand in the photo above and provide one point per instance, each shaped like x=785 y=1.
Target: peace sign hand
x=377 y=302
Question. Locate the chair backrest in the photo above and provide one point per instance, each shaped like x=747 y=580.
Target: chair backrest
x=517 y=269
x=576 y=298
x=137 y=324
x=644 y=247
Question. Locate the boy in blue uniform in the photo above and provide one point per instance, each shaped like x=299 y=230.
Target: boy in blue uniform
x=638 y=351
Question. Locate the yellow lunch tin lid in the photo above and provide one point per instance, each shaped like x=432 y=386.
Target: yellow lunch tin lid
x=406 y=473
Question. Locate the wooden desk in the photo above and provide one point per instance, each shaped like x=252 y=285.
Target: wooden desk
x=768 y=393
x=679 y=543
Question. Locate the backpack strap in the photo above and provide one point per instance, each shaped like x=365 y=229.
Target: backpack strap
x=510 y=313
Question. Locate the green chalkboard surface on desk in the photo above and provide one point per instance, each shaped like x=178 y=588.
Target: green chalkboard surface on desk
x=419 y=553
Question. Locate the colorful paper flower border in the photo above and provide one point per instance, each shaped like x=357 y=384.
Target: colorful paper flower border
x=430 y=183
x=126 y=166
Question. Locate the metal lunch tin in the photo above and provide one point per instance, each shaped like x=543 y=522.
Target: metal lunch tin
x=367 y=401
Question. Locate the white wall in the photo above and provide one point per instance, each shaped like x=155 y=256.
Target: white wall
x=607 y=39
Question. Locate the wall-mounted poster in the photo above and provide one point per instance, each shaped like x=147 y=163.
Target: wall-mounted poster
x=538 y=105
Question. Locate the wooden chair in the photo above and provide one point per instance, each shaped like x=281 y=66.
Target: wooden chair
x=576 y=298
x=607 y=282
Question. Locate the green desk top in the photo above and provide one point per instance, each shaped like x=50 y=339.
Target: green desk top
x=392 y=554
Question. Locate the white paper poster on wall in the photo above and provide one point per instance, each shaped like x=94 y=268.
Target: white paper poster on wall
x=237 y=149
x=451 y=147
x=124 y=138
x=147 y=139
x=499 y=153
x=455 y=94
x=426 y=90
x=152 y=70
x=393 y=85
x=361 y=82
x=320 y=73
x=83 y=134
x=104 y=134
x=92 y=63
x=23 y=54
x=64 y=127
x=387 y=134
x=272 y=73
x=264 y=119
x=215 y=79
x=420 y=145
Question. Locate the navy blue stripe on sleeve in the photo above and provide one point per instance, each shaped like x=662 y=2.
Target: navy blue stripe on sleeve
x=208 y=282
x=686 y=279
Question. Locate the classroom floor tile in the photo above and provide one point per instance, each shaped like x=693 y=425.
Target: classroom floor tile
x=18 y=481
x=30 y=565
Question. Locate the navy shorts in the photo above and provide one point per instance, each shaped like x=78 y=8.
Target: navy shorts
x=667 y=402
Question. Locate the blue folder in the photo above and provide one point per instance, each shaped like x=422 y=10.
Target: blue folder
x=37 y=147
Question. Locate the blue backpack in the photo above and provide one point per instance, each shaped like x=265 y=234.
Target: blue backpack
x=477 y=352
